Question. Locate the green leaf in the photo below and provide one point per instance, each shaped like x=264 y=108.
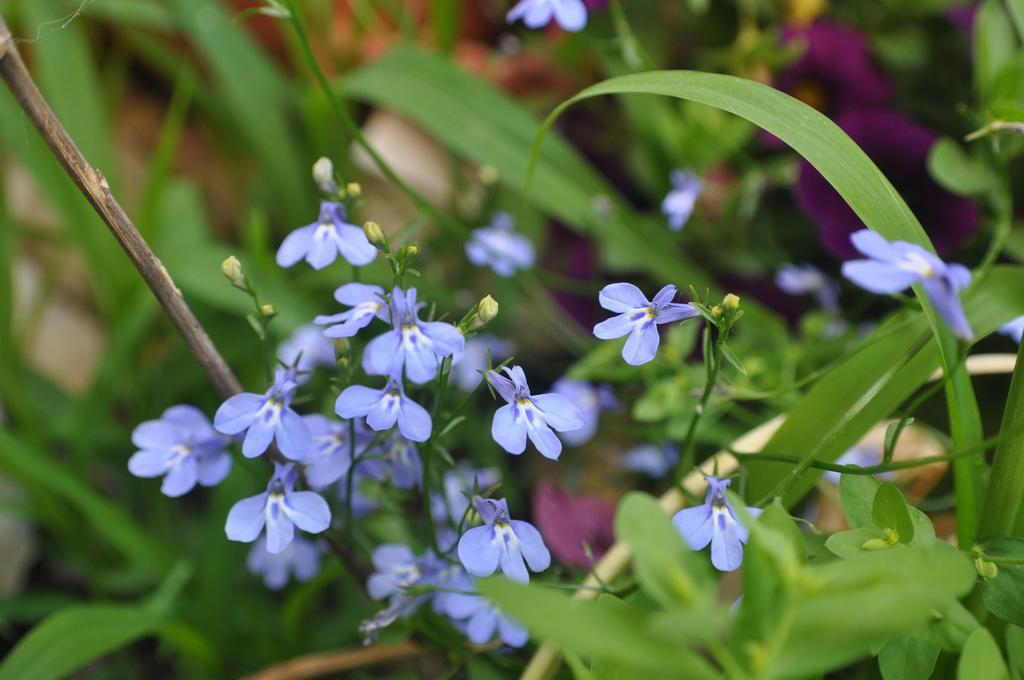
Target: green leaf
x=951 y=167
x=1004 y=594
x=994 y=46
x=981 y=659
x=889 y=511
x=598 y=629
x=777 y=518
x=857 y=495
x=667 y=570
x=848 y=544
x=74 y=637
x=908 y=657
x=1015 y=650
x=950 y=627
x=1003 y=510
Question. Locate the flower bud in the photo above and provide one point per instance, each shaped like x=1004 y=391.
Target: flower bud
x=231 y=268
x=731 y=302
x=485 y=312
x=341 y=346
x=716 y=312
x=411 y=251
x=374 y=234
x=323 y=175
x=987 y=570
x=353 y=190
x=268 y=310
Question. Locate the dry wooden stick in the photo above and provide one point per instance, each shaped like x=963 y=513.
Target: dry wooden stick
x=330 y=663
x=94 y=185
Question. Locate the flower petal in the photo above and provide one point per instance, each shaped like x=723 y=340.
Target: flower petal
x=549 y=445
x=356 y=401
x=478 y=552
x=642 y=344
x=878 y=277
x=181 y=478
x=532 y=545
x=413 y=421
x=246 y=519
x=615 y=327
x=558 y=411
x=293 y=436
x=238 y=412
x=295 y=245
x=695 y=525
x=508 y=434
x=308 y=510
x=621 y=297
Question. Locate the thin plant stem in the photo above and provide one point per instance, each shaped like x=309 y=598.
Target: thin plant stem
x=714 y=361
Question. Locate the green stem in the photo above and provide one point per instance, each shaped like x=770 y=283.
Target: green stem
x=350 y=475
x=714 y=361
x=1001 y=513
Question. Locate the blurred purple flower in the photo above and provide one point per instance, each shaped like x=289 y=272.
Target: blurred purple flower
x=499 y=247
x=306 y=349
x=460 y=483
x=383 y=407
x=590 y=400
x=418 y=346
x=467 y=372
x=715 y=522
x=532 y=416
x=366 y=302
x=300 y=559
x=480 y=618
x=502 y=543
x=569 y=521
x=330 y=456
x=835 y=73
x=397 y=459
x=680 y=201
x=183 y=447
x=862 y=456
x=653 y=460
x=639 y=318
x=900 y=149
x=320 y=243
x=892 y=267
x=571 y=15
x=1014 y=329
x=280 y=509
x=806 y=279
x=265 y=417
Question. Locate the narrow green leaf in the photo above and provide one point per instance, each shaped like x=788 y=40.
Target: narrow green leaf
x=981 y=659
x=889 y=511
x=1015 y=650
x=1003 y=510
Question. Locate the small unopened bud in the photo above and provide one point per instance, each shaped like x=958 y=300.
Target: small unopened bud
x=716 y=311
x=731 y=302
x=485 y=312
x=232 y=270
x=411 y=251
x=374 y=234
x=875 y=544
x=488 y=174
x=341 y=346
x=987 y=570
x=353 y=190
x=268 y=310
x=323 y=175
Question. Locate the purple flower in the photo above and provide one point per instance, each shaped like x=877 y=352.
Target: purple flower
x=528 y=415
x=382 y=408
x=321 y=242
x=183 y=448
x=305 y=350
x=835 y=73
x=892 y=267
x=569 y=521
x=417 y=345
x=481 y=619
x=265 y=417
x=678 y=204
x=330 y=455
x=499 y=247
x=460 y=483
x=806 y=279
x=639 y=318
x=900 y=149
x=397 y=569
x=714 y=522
x=366 y=302
x=467 y=372
x=571 y=15
x=502 y=543
x=590 y=400
x=300 y=559
x=396 y=458
x=1014 y=329
x=653 y=460
x=280 y=509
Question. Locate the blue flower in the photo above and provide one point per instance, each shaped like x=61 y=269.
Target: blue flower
x=639 y=318
x=571 y=15
x=306 y=349
x=280 y=509
x=330 y=455
x=806 y=279
x=366 y=302
x=1014 y=329
x=383 y=407
x=590 y=400
x=679 y=203
x=714 y=522
x=458 y=486
x=417 y=345
x=892 y=267
x=480 y=618
x=652 y=460
x=300 y=559
x=397 y=569
x=321 y=242
x=499 y=247
x=528 y=415
x=183 y=447
x=468 y=372
x=397 y=459
x=264 y=417
x=502 y=543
